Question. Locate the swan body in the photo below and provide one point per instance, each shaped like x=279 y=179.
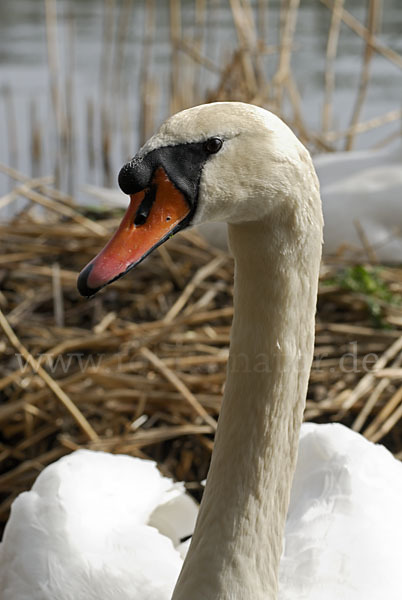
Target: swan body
x=240 y=164
x=363 y=189
x=96 y=526
x=343 y=529
x=357 y=188
x=108 y=527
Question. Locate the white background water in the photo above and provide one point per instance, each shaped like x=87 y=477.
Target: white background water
x=24 y=74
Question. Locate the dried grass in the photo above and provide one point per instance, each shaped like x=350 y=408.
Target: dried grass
x=140 y=368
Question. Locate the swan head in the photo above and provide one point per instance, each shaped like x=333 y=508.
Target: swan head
x=225 y=161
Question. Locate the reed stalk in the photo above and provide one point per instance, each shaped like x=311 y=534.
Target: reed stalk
x=148 y=88
x=330 y=55
x=372 y=26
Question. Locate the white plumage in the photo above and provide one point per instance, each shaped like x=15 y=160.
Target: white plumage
x=105 y=527
x=88 y=530
x=344 y=525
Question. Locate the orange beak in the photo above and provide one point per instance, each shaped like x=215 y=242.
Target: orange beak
x=153 y=214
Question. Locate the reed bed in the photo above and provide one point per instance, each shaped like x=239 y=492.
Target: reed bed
x=140 y=368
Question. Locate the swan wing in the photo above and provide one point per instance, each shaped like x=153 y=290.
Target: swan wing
x=344 y=524
x=83 y=533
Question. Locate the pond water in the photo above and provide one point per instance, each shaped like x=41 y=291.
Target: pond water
x=25 y=98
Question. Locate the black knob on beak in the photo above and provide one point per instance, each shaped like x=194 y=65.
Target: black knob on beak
x=136 y=174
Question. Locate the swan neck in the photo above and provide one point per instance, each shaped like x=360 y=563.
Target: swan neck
x=237 y=543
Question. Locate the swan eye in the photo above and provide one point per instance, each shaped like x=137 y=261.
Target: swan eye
x=213 y=145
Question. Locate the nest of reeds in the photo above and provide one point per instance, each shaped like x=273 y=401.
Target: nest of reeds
x=139 y=369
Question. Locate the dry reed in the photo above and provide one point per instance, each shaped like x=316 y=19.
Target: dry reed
x=140 y=368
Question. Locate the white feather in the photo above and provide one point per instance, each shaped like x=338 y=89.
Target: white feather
x=106 y=527
x=87 y=530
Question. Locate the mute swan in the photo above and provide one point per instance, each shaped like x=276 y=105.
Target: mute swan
x=241 y=164
x=101 y=527
x=357 y=188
